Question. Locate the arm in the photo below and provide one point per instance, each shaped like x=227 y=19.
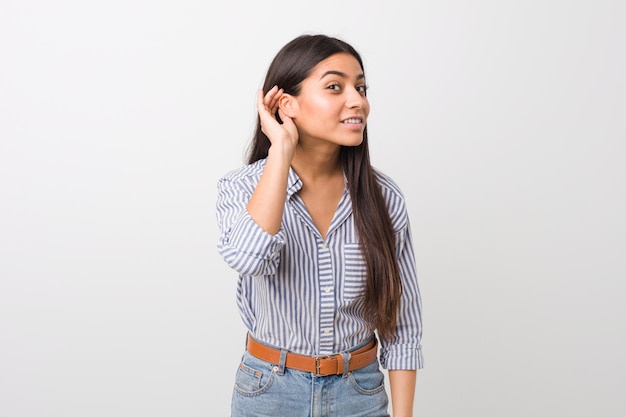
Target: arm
x=268 y=200
x=246 y=247
x=403 y=351
x=249 y=213
x=402 y=355
x=402 y=383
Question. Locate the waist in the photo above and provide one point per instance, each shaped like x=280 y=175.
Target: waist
x=319 y=365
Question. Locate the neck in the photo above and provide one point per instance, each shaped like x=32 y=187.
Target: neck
x=317 y=162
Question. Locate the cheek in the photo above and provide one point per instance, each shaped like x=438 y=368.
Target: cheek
x=320 y=107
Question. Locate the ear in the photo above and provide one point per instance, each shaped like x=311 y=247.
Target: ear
x=289 y=105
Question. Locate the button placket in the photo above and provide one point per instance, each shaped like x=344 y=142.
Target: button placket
x=327 y=299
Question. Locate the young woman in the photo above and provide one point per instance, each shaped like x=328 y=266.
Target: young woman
x=322 y=245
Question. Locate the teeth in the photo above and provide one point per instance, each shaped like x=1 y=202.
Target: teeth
x=352 y=121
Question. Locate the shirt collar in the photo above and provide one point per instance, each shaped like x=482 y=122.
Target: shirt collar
x=294 y=184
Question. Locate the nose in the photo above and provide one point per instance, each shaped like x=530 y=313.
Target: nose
x=355 y=99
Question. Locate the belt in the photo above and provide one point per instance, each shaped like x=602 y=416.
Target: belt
x=319 y=365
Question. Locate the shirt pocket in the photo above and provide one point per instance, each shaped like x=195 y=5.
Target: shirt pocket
x=355 y=272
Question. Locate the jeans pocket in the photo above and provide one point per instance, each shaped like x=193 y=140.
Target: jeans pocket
x=368 y=380
x=252 y=378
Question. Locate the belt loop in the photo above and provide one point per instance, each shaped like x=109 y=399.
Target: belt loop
x=281 y=364
x=346 y=363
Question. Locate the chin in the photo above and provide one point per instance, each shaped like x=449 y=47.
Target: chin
x=352 y=142
x=355 y=139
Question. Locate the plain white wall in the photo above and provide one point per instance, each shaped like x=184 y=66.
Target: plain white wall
x=503 y=122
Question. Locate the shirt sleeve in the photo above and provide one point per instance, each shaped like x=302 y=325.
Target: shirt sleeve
x=243 y=244
x=404 y=350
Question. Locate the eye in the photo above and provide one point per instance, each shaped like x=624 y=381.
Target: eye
x=334 y=86
x=362 y=89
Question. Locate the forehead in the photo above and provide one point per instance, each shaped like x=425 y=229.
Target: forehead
x=341 y=62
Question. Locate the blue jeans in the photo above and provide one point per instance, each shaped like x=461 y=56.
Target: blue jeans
x=265 y=389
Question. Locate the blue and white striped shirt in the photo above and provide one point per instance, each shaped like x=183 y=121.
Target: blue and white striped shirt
x=300 y=292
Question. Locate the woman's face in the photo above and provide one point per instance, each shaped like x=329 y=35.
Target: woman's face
x=332 y=105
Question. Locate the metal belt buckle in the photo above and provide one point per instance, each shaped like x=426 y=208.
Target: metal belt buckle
x=317 y=365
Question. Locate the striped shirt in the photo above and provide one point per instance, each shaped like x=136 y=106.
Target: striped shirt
x=300 y=292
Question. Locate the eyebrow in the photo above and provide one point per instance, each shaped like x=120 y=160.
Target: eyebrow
x=341 y=74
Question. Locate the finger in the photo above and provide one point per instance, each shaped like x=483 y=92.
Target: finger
x=273 y=104
x=260 y=103
x=270 y=94
x=265 y=116
x=276 y=96
x=266 y=113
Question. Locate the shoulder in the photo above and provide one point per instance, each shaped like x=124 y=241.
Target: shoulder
x=387 y=184
x=394 y=198
x=247 y=175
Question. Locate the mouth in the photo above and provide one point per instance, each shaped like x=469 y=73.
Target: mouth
x=352 y=121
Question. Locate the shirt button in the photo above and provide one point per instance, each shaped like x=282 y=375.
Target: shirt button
x=324 y=247
x=327 y=289
x=326 y=331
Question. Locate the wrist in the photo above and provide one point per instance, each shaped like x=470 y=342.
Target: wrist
x=280 y=154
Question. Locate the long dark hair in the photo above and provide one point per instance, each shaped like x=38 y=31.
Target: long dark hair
x=290 y=67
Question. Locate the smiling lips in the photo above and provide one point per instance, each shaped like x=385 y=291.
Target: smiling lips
x=352 y=121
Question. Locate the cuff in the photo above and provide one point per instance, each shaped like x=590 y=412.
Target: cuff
x=252 y=241
x=402 y=356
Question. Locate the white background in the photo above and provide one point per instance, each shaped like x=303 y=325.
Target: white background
x=502 y=121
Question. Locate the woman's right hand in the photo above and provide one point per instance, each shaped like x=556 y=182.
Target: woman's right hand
x=267 y=203
x=282 y=136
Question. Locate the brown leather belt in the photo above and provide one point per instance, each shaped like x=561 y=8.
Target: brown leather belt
x=319 y=365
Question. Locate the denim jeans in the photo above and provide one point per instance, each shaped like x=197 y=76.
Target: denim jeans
x=263 y=389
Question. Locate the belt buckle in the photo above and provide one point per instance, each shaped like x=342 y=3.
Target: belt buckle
x=317 y=365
